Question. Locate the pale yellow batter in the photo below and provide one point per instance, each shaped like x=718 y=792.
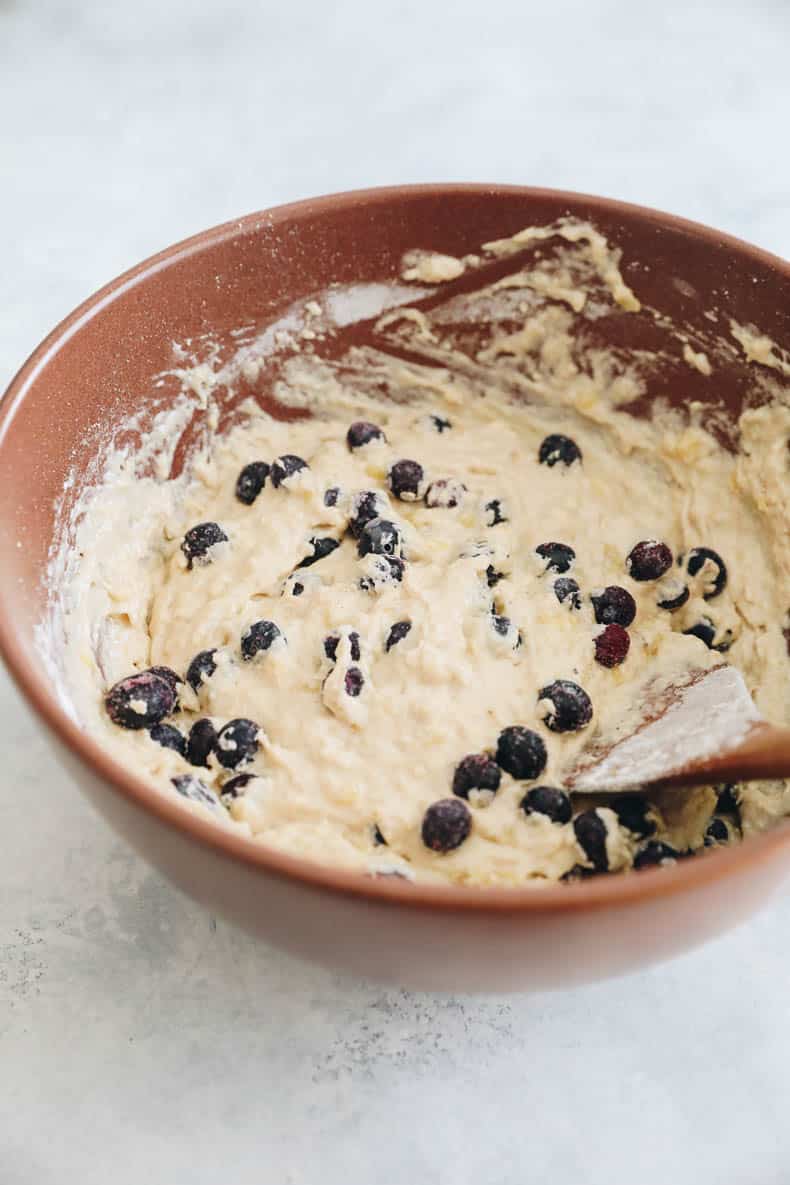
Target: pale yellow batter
x=337 y=771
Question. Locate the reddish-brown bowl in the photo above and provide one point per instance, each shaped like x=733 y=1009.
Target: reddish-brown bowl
x=98 y=365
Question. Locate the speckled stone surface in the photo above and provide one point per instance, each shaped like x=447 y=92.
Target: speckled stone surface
x=140 y=1039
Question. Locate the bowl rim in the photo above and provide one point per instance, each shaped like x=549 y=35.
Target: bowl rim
x=30 y=677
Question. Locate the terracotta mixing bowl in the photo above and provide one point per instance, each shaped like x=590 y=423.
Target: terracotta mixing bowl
x=98 y=365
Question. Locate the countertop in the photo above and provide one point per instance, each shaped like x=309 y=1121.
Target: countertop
x=140 y=1038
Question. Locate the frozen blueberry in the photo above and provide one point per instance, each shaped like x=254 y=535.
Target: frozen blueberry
x=361 y=433
x=331 y=496
x=202 y=741
x=237 y=743
x=378 y=839
x=445 y=493
x=201 y=668
x=322 y=547
x=169 y=737
x=612 y=646
x=478 y=771
x=695 y=561
x=353 y=682
x=366 y=506
x=632 y=813
x=446 y=824
x=331 y=643
x=590 y=831
x=251 y=481
x=655 y=852
x=199 y=540
x=440 y=424
x=566 y=589
x=705 y=630
x=258 y=638
x=195 y=790
x=235 y=785
x=717 y=832
x=570 y=708
x=521 y=752
x=141 y=700
x=387 y=569
x=496 y=512
x=557 y=448
x=545 y=800
x=379 y=537
x=397 y=633
x=614 y=606
x=674 y=595
x=492 y=576
x=405 y=479
x=558 y=556
x=285 y=467
x=648 y=560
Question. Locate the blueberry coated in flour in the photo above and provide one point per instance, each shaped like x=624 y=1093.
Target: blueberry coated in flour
x=558 y=556
x=495 y=512
x=446 y=493
x=237 y=743
x=566 y=590
x=202 y=667
x=169 y=674
x=169 y=737
x=546 y=800
x=632 y=813
x=705 y=630
x=571 y=708
x=322 y=547
x=353 y=682
x=389 y=569
x=674 y=597
x=286 y=466
x=201 y=742
x=234 y=786
x=258 y=638
x=520 y=752
x=695 y=561
x=477 y=771
x=362 y=432
x=655 y=853
x=331 y=496
x=558 y=449
x=199 y=540
x=717 y=832
x=614 y=606
x=379 y=537
x=612 y=646
x=195 y=790
x=397 y=633
x=446 y=824
x=648 y=560
x=366 y=506
x=297 y=588
x=141 y=700
x=405 y=479
x=590 y=831
x=251 y=481
x=493 y=577
x=331 y=643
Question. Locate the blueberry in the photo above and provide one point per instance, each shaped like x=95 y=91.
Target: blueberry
x=727 y=799
x=648 y=560
x=258 y=638
x=695 y=560
x=297 y=588
x=285 y=467
x=495 y=509
x=237 y=743
x=446 y=824
x=199 y=540
x=379 y=537
x=578 y=873
x=388 y=569
x=440 y=424
x=570 y=709
x=717 y=832
x=331 y=496
x=397 y=633
x=331 y=642
x=234 y=786
x=631 y=811
x=445 y=493
x=502 y=625
x=365 y=506
x=405 y=479
x=655 y=852
x=478 y=771
x=251 y=481
x=361 y=433
x=558 y=556
x=492 y=576
x=201 y=743
x=521 y=752
x=169 y=674
x=169 y=737
x=353 y=682
x=201 y=668
x=612 y=646
x=673 y=595
x=141 y=700
x=705 y=630
x=322 y=547
x=590 y=831
x=195 y=790
x=557 y=448
x=378 y=839
x=614 y=606
x=567 y=589
x=545 y=800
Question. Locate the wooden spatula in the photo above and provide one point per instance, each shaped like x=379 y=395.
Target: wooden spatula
x=705 y=729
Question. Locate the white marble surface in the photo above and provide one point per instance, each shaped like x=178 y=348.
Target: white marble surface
x=139 y=1038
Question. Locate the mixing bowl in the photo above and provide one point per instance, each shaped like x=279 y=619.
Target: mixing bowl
x=100 y=365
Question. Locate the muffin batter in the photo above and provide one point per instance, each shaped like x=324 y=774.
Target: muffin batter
x=381 y=636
